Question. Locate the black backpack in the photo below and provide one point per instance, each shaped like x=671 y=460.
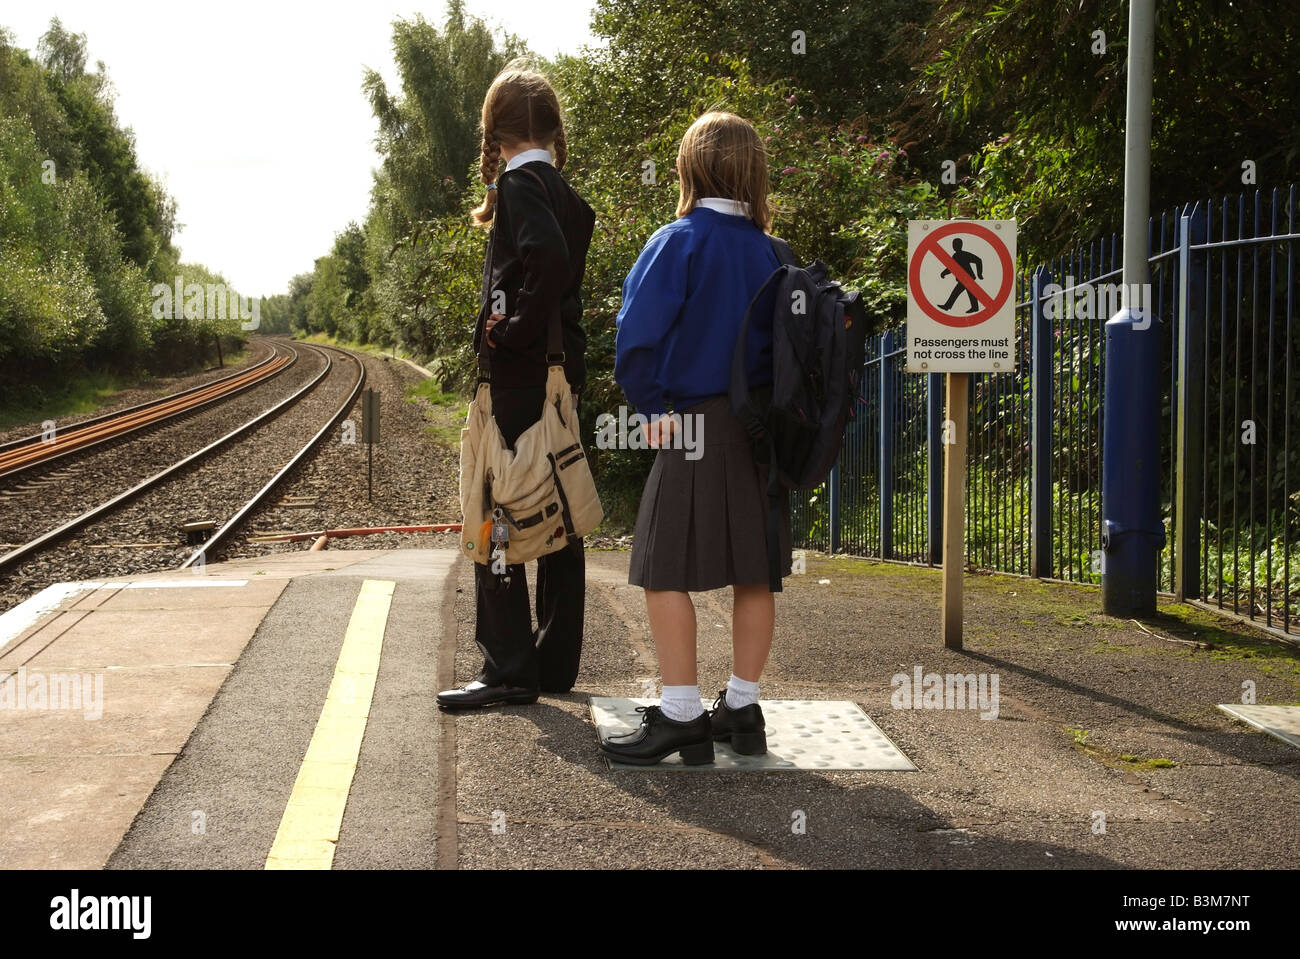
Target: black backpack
x=819 y=333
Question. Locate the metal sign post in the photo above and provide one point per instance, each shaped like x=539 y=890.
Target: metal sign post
x=961 y=319
x=369 y=433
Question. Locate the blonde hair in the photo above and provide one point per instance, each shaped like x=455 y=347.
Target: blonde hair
x=722 y=156
x=520 y=107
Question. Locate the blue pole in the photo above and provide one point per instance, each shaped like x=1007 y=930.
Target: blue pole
x=1131 y=531
x=1189 y=437
x=1040 y=497
x=833 y=497
x=886 y=447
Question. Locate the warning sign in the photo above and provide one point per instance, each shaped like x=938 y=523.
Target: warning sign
x=961 y=311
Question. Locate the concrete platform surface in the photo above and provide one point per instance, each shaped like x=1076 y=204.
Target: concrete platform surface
x=164 y=722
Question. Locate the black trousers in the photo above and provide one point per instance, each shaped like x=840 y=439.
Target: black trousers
x=514 y=653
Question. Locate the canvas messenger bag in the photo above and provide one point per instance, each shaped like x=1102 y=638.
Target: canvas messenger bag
x=532 y=499
x=542 y=491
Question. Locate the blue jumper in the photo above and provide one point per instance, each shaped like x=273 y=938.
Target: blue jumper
x=683 y=305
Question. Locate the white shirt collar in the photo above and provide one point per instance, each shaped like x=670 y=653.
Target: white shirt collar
x=528 y=156
x=733 y=207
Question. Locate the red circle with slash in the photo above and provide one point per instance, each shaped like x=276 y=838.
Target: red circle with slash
x=991 y=303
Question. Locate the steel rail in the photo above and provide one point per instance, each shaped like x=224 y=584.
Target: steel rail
x=29 y=549
x=22 y=455
x=198 y=557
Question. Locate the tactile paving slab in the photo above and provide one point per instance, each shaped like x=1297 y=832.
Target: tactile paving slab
x=1280 y=721
x=801 y=734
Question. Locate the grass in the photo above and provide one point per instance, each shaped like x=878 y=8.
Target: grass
x=444 y=435
x=998 y=523
x=373 y=349
x=1137 y=762
x=431 y=391
x=450 y=408
x=80 y=395
x=448 y=411
x=1203 y=635
x=843 y=563
x=1227 y=639
x=1133 y=761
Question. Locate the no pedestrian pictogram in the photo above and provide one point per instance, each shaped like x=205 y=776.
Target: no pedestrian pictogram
x=961 y=275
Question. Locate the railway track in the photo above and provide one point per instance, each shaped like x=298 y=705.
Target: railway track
x=42 y=498
x=248 y=454
x=41 y=449
x=219 y=536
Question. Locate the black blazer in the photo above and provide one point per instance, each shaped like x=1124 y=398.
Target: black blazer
x=536 y=256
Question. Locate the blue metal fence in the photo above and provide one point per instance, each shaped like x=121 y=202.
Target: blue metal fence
x=1223 y=287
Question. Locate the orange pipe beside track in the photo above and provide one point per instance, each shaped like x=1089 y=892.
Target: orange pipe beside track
x=363 y=531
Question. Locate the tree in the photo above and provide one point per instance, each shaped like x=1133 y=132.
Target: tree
x=84 y=231
x=62 y=53
x=840 y=55
x=428 y=136
x=1029 y=97
x=350 y=250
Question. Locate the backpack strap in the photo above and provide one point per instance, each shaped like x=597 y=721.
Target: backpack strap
x=742 y=405
x=762 y=441
x=784 y=253
x=742 y=402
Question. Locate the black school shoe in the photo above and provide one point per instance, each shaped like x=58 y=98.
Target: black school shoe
x=744 y=728
x=465 y=698
x=659 y=737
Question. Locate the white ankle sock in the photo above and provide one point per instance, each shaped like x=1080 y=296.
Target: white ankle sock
x=741 y=692
x=681 y=703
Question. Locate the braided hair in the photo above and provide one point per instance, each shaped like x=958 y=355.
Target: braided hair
x=521 y=106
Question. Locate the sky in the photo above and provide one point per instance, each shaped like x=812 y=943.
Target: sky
x=252 y=113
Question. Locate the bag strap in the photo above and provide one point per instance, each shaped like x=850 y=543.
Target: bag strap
x=784 y=252
x=484 y=357
x=484 y=361
x=554 y=332
x=757 y=428
x=741 y=403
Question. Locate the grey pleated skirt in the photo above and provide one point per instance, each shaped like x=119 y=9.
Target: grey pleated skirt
x=702 y=523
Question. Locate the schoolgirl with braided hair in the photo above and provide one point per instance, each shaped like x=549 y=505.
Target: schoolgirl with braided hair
x=539 y=232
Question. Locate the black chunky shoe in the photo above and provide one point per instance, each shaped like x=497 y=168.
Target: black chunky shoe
x=466 y=698
x=744 y=728
x=659 y=737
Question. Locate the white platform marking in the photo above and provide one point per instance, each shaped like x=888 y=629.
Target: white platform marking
x=801 y=735
x=1282 y=722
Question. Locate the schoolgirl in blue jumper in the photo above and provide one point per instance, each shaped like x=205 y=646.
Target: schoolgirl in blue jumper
x=702 y=519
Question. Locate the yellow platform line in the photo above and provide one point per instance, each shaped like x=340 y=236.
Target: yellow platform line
x=309 y=829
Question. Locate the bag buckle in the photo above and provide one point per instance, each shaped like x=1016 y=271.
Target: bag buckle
x=500 y=539
x=500 y=529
